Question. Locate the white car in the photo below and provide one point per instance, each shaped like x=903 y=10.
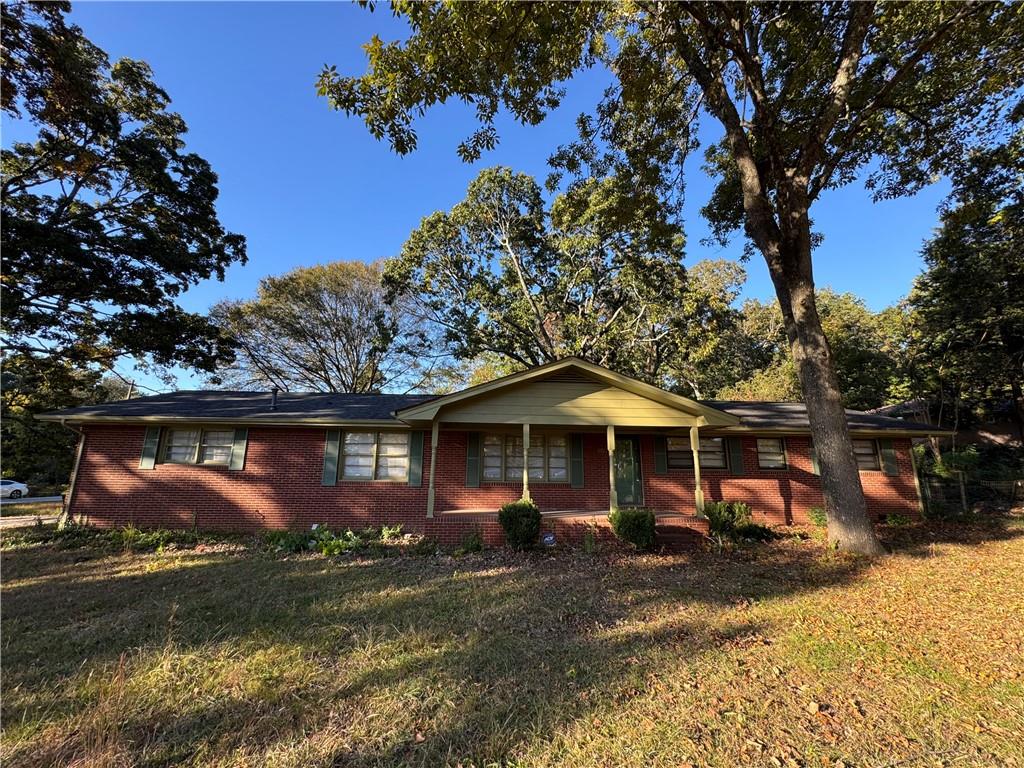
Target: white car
x=12 y=489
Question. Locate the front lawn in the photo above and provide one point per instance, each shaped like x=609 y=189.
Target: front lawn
x=779 y=654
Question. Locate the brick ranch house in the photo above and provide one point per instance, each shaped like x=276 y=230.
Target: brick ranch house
x=576 y=438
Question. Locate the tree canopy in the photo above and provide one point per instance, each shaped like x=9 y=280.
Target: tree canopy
x=106 y=217
x=505 y=274
x=967 y=325
x=328 y=328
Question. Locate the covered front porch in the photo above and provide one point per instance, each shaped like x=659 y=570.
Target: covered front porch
x=566 y=436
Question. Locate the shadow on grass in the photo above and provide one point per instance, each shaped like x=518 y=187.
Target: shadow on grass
x=421 y=661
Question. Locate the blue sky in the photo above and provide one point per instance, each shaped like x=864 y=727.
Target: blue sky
x=307 y=185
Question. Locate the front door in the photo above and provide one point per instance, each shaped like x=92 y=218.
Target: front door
x=628 y=483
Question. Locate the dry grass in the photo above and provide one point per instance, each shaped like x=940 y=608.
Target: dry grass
x=783 y=654
x=23 y=510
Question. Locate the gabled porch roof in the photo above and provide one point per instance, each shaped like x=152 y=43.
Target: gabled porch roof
x=569 y=392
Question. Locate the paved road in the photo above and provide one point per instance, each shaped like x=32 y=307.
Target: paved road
x=32 y=500
x=22 y=520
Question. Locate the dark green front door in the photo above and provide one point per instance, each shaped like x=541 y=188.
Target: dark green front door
x=628 y=483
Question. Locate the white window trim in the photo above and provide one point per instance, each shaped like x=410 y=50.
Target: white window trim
x=375 y=455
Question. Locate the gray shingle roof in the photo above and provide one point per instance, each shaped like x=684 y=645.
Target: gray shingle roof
x=219 y=404
x=210 y=405
x=759 y=414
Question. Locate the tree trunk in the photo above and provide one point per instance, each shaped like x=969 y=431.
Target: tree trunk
x=849 y=526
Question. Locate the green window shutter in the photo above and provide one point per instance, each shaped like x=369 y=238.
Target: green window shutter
x=576 y=460
x=416 y=459
x=473 y=460
x=889 y=464
x=331 y=450
x=735 y=448
x=815 y=468
x=660 y=455
x=150 y=446
x=237 y=461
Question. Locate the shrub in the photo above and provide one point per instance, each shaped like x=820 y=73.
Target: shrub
x=590 y=540
x=818 y=516
x=390 y=532
x=897 y=520
x=288 y=541
x=521 y=522
x=635 y=525
x=724 y=516
x=471 y=542
x=731 y=519
x=753 y=532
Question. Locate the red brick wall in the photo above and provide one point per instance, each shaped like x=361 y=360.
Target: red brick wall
x=774 y=496
x=280 y=487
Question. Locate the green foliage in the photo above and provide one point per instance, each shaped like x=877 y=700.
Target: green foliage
x=39 y=453
x=521 y=522
x=868 y=350
x=507 y=274
x=818 y=516
x=897 y=521
x=724 y=516
x=967 y=329
x=590 y=542
x=323 y=540
x=731 y=519
x=473 y=541
x=126 y=539
x=634 y=525
x=327 y=328
x=104 y=208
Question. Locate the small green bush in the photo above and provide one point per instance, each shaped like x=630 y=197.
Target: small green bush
x=897 y=520
x=473 y=541
x=634 y=525
x=731 y=519
x=724 y=516
x=390 y=532
x=521 y=522
x=818 y=516
x=288 y=541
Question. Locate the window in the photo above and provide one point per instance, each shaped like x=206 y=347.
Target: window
x=198 y=446
x=771 y=453
x=375 y=456
x=866 y=453
x=712 y=453
x=216 y=446
x=547 y=459
x=180 y=446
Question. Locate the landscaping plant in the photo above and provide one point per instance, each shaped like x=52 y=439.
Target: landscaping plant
x=521 y=522
x=634 y=525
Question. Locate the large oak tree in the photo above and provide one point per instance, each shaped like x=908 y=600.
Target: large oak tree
x=807 y=95
x=106 y=217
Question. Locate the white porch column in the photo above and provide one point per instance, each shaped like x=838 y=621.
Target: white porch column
x=698 y=494
x=526 y=462
x=433 y=465
x=613 y=496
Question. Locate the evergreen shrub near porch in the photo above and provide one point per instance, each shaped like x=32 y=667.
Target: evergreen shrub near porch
x=521 y=522
x=732 y=519
x=634 y=525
